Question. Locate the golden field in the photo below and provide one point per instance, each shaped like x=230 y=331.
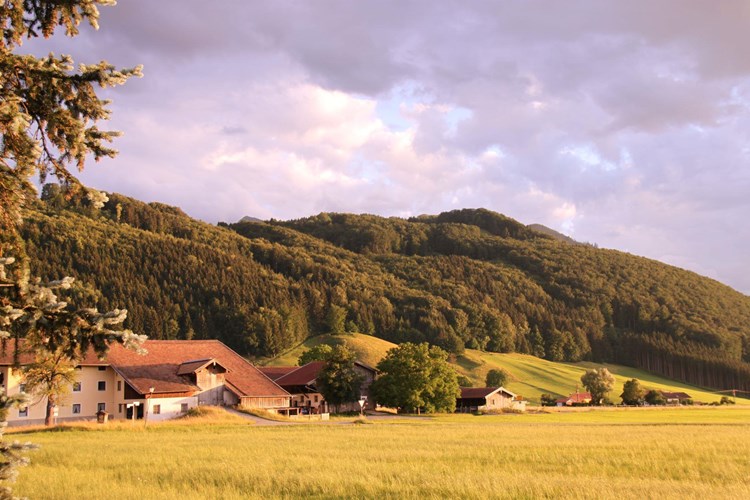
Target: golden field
x=622 y=453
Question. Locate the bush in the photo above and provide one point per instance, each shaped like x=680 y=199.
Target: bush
x=548 y=400
x=726 y=400
x=496 y=378
x=654 y=397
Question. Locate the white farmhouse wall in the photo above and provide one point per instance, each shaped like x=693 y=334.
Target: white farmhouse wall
x=169 y=407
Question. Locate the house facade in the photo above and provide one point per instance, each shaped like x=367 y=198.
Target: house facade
x=173 y=377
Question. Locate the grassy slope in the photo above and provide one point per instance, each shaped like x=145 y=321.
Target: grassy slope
x=368 y=349
x=619 y=454
x=530 y=376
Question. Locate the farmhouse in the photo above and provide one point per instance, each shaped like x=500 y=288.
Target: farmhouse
x=299 y=381
x=676 y=398
x=174 y=376
x=487 y=398
x=578 y=398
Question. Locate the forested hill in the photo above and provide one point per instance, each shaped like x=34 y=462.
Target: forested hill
x=467 y=278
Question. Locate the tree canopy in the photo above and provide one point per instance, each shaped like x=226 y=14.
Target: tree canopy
x=633 y=393
x=496 y=377
x=320 y=352
x=416 y=378
x=599 y=382
x=338 y=381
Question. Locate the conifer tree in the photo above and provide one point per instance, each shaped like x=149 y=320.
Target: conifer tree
x=49 y=111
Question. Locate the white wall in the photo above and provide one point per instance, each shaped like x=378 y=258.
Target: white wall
x=168 y=407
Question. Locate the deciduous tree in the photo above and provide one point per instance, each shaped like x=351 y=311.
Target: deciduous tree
x=337 y=381
x=654 y=397
x=496 y=377
x=598 y=382
x=320 y=352
x=633 y=392
x=415 y=378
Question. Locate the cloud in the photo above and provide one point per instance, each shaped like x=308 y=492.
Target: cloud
x=621 y=122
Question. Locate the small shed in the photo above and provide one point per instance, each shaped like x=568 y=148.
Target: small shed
x=484 y=398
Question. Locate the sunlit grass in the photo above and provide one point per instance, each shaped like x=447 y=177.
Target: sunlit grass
x=675 y=453
x=368 y=349
x=532 y=376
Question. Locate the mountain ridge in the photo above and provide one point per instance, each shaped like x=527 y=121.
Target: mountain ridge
x=462 y=279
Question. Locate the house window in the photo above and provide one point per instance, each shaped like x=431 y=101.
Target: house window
x=23 y=412
x=102 y=368
x=119 y=408
x=101 y=407
x=184 y=408
x=316 y=398
x=22 y=388
x=102 y=385
x=156 y=410
x=76 y=387
x=119 y=385
x=76 y=408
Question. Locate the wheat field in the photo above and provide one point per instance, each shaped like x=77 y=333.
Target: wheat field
x=677 y=453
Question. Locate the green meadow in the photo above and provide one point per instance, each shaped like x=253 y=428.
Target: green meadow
x=616 y=453
x=529 y=376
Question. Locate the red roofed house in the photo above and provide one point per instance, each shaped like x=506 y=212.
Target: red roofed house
x=676 y=398
x=174 y=376
x=578 y=398
x=299 y=381
x=487 y=398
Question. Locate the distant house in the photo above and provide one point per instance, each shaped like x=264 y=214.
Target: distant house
x=173 y=377
x=487 y=398
x=676 y=398
x=578 y=398
x=299 y=381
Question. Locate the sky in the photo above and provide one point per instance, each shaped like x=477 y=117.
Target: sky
x=625 y=124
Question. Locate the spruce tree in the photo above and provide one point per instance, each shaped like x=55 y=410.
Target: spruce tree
x=49 y=111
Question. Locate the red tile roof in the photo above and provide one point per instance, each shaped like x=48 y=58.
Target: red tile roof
x=274 y=372
x=159 y=367
x=579 y=397
x=304 y=375
x=189 y=367
x=675 y=395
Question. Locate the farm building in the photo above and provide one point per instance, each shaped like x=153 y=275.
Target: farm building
x=577 y=398
x=487 y=398
x=174 y=376
x=676 y=398
x=299 y=381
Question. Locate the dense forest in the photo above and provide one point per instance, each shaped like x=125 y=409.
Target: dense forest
x=466 y=278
